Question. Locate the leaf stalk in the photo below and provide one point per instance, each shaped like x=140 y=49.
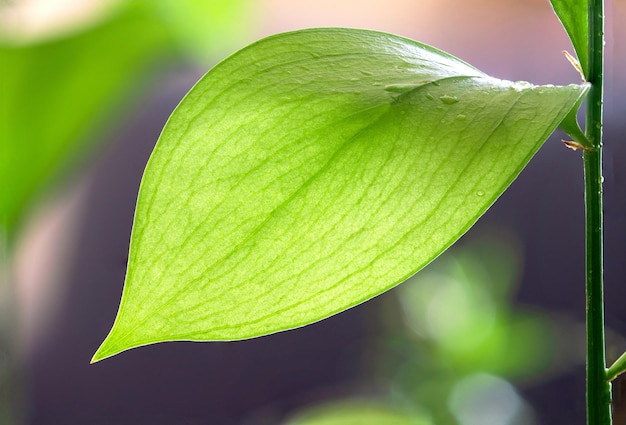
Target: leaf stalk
x=617 y=368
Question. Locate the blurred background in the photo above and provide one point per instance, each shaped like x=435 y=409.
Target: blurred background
x=491 y=333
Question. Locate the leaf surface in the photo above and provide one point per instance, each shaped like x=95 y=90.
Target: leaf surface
x=574 y=14
x=310 y=172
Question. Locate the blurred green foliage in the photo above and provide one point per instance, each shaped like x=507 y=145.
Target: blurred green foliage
x=462 y=307
x=463 y=325
x=206 y=29
x=358 y=413
x=463 y=345
x=55 y=94
x=60 y=95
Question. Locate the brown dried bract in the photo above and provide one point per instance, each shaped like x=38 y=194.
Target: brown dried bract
x=576 y=146
x=571 y=59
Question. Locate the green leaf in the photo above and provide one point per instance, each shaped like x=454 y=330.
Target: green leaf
x=574 y=14
x=312 y=171
x=357 y=413
x=572 y=128
x=55 y=94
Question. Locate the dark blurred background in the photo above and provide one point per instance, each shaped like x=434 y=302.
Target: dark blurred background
x=492 y=333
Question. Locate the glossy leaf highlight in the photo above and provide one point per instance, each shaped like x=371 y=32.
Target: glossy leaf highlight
x=312 y=171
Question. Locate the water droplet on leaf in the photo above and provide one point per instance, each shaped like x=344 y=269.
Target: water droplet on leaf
x=521 y=85
x=448 y=100
x=399 y=88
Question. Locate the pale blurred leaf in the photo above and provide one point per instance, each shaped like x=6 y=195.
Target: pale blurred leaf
x=353 y=413
x=56 y=94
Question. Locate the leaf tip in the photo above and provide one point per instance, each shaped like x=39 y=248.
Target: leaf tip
x=109 y=348
x=102 y=353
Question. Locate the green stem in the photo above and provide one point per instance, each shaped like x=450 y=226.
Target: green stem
x=598 y=388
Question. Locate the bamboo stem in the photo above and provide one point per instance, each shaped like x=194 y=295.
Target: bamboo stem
x=598 y=388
